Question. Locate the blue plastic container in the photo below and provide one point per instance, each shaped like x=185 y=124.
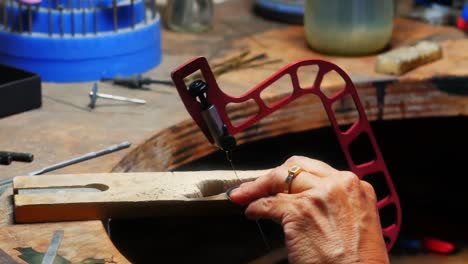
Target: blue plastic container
x=81 y=44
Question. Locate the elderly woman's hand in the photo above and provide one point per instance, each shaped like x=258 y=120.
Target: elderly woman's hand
x=329 y=216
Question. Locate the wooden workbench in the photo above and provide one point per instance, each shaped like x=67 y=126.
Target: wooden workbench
x=64 y=127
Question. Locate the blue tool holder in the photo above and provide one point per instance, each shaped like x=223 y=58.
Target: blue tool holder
x=80 y=40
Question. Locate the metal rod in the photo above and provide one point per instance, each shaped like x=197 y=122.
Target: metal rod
x=20 y=17
x=29 y=19
x=132 y=6
x=83 y=17
x=5 y=14
x=12 y=17
x=82 y=158
x=95 y=19
x=119 y=98
x=49 y=11
x=114 y=9
x=51 y=253
x=60 y=8
x=72 y=17
x=144 y=11
x=79 y=159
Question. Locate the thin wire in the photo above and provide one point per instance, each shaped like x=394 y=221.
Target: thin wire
x=260 y=229
x=264 y=238
x=229 y=158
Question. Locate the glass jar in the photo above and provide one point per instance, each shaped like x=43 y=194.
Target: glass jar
x=189 y=15
x=350 y=27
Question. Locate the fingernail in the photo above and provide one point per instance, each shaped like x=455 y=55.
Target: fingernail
x=231 y=190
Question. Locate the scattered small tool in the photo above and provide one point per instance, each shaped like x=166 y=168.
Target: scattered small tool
x=12 y=17
x=145 y=15
x=132 y=7
x=72 y=17
x=49 y=13
x=83 y=15
x=66 y=163
x=115 y=15
x=4 y=13
x=51 y=253
x=5 y=160
x=94 y=95
x=6 y=157
x=236 y=63
x=20 y=17
x=29 y=20
x=95 y=18
x=60 y=8
x=153 y=9
x=136 y=81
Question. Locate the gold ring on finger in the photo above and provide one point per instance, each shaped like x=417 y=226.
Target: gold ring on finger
x=293 y=171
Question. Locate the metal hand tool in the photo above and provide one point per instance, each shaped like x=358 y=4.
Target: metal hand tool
x=79 y=159
x=20 y=17
x=51 y=253
x=29 y=20
x=93 y=95
x=6 y=160
x=4 y=14
x=144 y=12
x=153 y=9
x=83 y=16
x=136 y=81
x=115 y=15
x=72 y=17
x=60 y=8
x=49 y=13
x=206 y=103
x=12 y=17
x=95 y=18
x=132 y=5
x=6 y=157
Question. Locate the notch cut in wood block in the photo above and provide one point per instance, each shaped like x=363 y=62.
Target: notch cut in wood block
x=73 y=197
x=404 y=59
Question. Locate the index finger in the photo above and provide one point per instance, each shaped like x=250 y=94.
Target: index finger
x=274 y=181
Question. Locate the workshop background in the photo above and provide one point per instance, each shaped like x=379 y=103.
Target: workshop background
x=86 y=88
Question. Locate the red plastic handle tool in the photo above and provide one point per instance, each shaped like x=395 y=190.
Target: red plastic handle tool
x=220 y=100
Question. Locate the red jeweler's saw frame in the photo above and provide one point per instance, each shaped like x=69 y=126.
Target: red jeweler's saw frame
x=206 y=103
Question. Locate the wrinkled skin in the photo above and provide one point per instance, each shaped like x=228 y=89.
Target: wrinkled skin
x=330 y=216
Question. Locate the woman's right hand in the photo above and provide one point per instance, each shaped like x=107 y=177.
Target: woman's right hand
x=329 y=216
